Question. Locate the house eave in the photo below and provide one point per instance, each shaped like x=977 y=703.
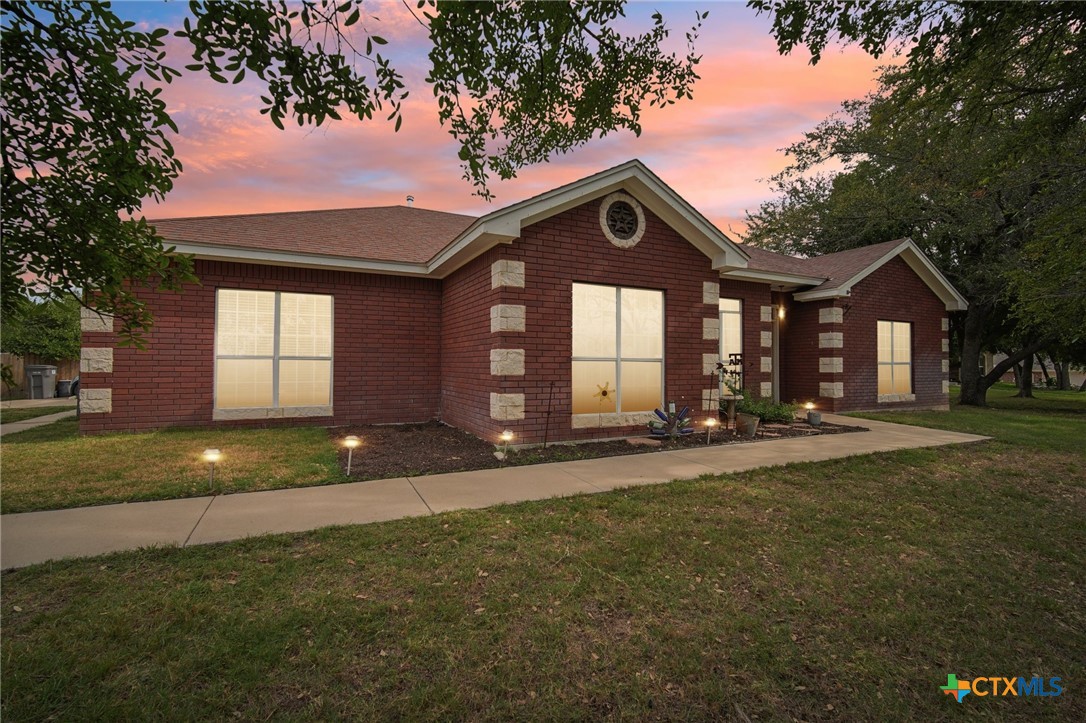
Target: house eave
x=287 y=258
x=786 y=282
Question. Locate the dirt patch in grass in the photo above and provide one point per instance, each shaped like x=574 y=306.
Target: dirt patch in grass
x=435 y=448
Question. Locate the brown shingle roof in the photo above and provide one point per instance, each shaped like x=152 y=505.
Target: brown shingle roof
x=383 y=233
x=836 y=268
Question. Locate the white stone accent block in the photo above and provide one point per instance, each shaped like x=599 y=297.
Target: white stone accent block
x=832 y=315
x=831 y=364
x=767 y=338
x=507 y=362
x=892 y=398
x=507 y=317
x=831 y=340
x=767 y=364
x=710 y=328
x=767 y=389
x=946 y=366
x=709 y=400
x=946 y=346
x=767 y=314
x=91 y=320
x=946 y=324
x=708 y=363
x=946 y=387
x=831 y=390
x=504 y=272
x=94 y=360
x=95 y=401
x=504 y=407
x=710 y=292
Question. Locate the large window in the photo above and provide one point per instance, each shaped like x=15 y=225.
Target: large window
x=618 y=345
x=895 y=357
x=272 y=349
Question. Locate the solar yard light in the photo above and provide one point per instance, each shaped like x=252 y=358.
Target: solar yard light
x=813 y=418
x=211 y=456
x=709 y=424
x=350 y=442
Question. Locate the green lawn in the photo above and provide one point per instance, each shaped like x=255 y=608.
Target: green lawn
x=842 y=590
x=21 y=414
x=51 y=467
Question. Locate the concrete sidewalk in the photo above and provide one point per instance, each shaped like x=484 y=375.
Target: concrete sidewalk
x=33 y=537
x=13 y=427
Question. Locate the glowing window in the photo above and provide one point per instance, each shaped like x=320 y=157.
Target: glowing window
x=895 y=357
x=618 y=344
x=272 y=349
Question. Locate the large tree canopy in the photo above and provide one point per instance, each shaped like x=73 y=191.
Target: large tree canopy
x=86 y=134
x=974 y=146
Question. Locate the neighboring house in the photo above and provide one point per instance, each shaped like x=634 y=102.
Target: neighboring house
x=989 y=359
x=515 y=320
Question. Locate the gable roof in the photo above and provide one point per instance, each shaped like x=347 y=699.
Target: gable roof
x=418 y=242
x=383 y=233
x=834 y=275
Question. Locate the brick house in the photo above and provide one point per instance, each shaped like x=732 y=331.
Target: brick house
x=569 y=315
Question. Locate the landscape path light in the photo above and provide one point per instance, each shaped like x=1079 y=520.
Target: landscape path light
x=813 y=418
x=211 y=456
x=709 y=424
x=350 y=442
x=507 y=437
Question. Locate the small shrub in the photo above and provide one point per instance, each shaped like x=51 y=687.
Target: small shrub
x=766 y=409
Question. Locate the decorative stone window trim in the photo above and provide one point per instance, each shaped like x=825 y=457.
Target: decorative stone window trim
x=605 y=208
x=610 y=419
x=896 y=398
x=227 y=415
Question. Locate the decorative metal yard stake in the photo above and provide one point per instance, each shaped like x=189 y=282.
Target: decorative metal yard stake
x=350 y=442
x=211 y=456
x=547 y=425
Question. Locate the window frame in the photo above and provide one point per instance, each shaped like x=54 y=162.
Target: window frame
x=891 y=363
x=720 y=342
x=618 y=358
x=275 y=357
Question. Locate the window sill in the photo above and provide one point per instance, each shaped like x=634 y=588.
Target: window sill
x=227 y=415
x=610 y=419
x=892 y=398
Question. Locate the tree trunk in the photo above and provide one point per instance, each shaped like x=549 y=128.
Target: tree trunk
x=1044 y=369
x=1025 y=378
x=1016 y=370
x=1063 y=376
x=1083 y=387
x=973 y=392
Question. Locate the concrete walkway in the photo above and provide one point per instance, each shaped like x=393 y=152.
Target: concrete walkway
x=34 y=537
x=13 y=427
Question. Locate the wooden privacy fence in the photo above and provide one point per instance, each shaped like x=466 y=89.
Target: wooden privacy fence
x=67 y=369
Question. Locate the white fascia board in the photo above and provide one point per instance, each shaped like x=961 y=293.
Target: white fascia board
x=505 y=225
x=772 y=277
x=917 y=261
x=288 y=258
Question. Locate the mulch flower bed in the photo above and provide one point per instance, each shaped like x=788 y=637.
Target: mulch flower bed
x=432 y=448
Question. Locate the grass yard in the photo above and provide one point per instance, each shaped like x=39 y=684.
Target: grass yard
x=21 y=414
x=842 y=590
x=52 y=467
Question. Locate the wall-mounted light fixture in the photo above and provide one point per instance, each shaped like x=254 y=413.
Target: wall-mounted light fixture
x=780 y=312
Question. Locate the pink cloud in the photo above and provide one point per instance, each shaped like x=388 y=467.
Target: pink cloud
x=714 y=150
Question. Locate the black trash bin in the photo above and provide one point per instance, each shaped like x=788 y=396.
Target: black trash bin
x=64 y=388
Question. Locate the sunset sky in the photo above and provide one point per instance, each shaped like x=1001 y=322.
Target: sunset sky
x=715 y=151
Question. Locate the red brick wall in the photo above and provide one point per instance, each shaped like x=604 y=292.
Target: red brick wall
x=570 y=247
x=893 y=293
x=386 y=356
x=466 y=342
